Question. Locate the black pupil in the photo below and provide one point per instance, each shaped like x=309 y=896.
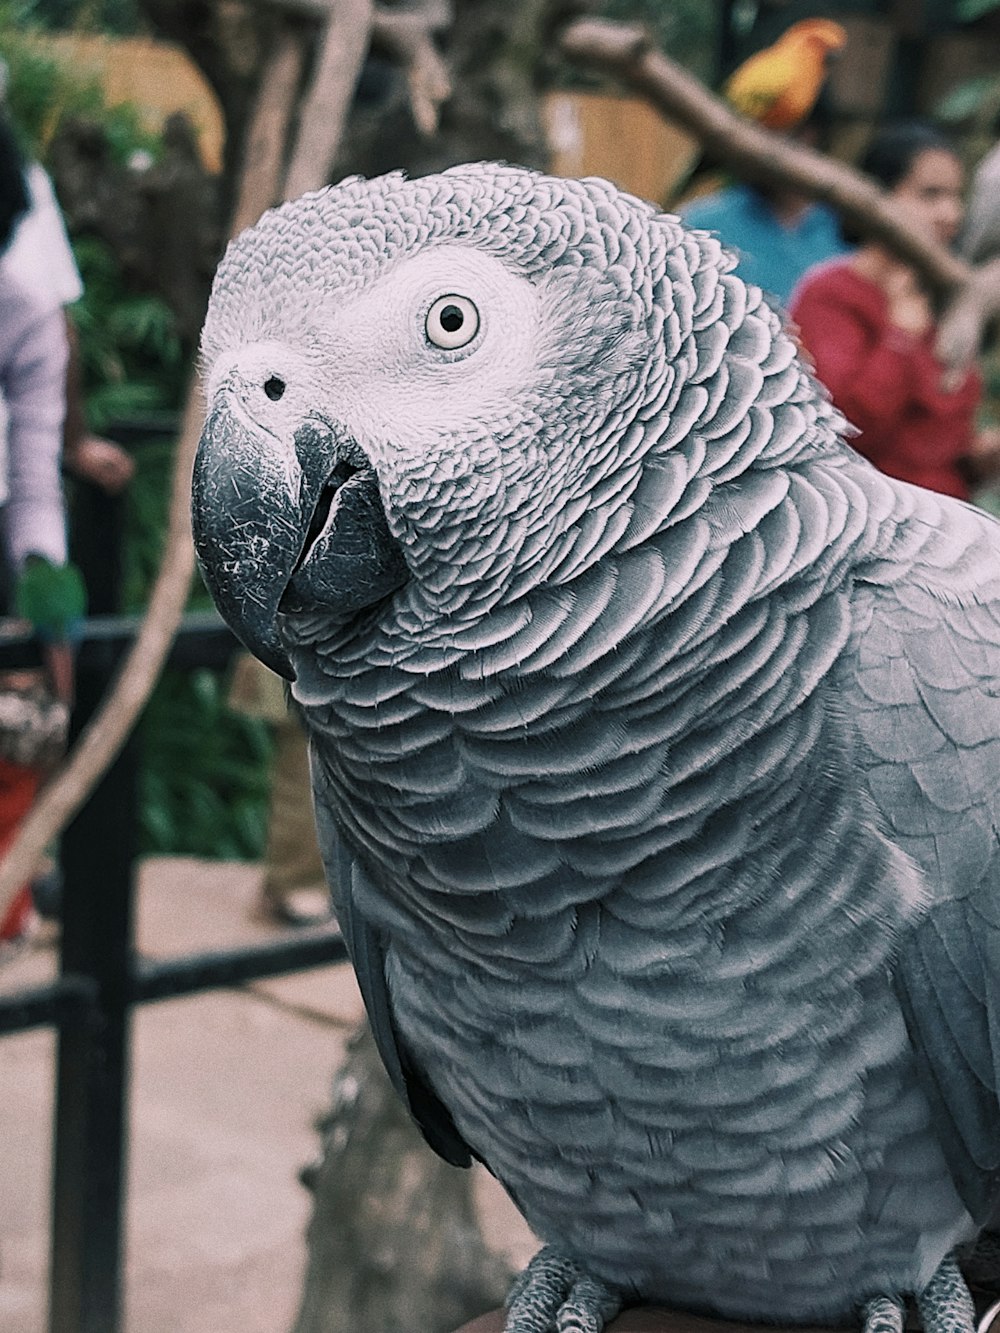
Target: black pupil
x=452 y=319
x=274 y=388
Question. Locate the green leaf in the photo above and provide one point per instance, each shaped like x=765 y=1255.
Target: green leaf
x=967 y=11
x=966 y=100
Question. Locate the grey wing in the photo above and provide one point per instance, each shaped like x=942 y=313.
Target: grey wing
x=348 y=883
x=925 y=698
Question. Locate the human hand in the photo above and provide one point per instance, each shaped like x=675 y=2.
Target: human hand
x=984 y=455
x=103 y=462
x=908 y=306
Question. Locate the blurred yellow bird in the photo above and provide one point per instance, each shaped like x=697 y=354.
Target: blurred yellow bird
x=778 y=87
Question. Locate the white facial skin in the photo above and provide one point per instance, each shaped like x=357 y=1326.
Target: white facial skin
x=395 y=387
x=422 y=412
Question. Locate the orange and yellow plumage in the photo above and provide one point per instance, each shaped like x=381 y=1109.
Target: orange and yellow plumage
x=778 y=87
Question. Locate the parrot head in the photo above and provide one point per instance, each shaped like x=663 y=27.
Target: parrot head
x=426 y=397
x=821 y=35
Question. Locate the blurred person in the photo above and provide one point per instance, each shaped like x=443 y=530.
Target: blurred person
x=36 y=582
x=778 y=234
x=40 y=255
x=869 y=326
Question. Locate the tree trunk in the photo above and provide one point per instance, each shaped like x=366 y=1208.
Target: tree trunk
x=394 y=1243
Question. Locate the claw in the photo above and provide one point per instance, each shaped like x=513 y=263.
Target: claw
x=554 y=1295
x=589 y=1306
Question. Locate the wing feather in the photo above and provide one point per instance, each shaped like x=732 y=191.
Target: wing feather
x=926 y=703
x=364 y=946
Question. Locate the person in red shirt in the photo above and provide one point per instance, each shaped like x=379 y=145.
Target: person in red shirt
x=868 y=326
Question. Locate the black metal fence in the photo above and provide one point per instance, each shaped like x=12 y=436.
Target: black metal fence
x=101 y=979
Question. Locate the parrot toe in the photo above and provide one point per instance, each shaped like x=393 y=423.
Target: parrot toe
x=945 y=1304
x=554 y=1295
x=883 y=1314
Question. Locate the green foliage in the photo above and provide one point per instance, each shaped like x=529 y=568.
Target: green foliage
x=43 y=88
x=121 y=17
x=204 y=785
x=967 y=11
x=975 y=100
x=52 y=597
x=686 y=29
x=132 y=358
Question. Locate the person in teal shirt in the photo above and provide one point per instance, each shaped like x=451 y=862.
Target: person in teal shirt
x=776 y=234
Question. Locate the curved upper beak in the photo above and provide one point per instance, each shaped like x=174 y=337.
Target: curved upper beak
x=250 y=514
x=283 y=526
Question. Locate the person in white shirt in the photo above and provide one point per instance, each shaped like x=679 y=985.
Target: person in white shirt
x=40 y=257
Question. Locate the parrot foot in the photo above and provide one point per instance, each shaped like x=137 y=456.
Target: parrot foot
x=945 y=1304
x=883 y=1314
x=555 y=1295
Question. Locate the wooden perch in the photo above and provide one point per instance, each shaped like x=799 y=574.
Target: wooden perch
x=627 y=51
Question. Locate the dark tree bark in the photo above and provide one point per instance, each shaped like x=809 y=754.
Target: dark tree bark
x=164 y=223
x=394 y=1243
x=494 y=54
x=229 y=41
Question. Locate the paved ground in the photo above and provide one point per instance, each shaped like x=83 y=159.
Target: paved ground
x=225 y=1091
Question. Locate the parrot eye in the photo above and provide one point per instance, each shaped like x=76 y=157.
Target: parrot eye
x=452 y=321
x=274 y=388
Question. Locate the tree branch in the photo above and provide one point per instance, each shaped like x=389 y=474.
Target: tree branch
x=324 y=110
x=408 y=37
x=260 y=180
x=627 y=51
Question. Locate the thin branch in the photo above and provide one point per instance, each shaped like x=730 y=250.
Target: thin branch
x=627 y=50
x=344 y=44
x=407 y=37
x=260 y=179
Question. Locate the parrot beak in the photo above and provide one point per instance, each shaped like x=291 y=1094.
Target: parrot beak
x=245 y=522
x=281 y=529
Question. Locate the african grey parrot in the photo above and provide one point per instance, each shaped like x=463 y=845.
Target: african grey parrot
x=655 y=740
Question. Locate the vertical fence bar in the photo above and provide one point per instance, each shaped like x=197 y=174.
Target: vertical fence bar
x=97 y=854
x=91 y=1129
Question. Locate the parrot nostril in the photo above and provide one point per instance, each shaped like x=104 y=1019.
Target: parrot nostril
x=274 y=388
